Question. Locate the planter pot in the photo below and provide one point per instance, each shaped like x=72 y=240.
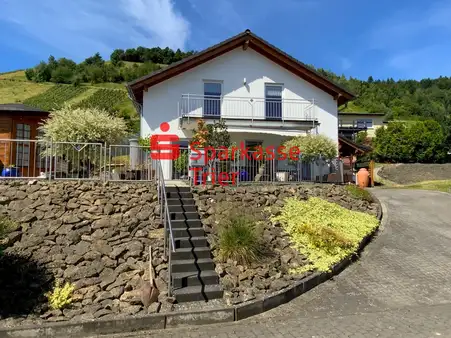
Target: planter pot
x=11 y=172
x=363 y=178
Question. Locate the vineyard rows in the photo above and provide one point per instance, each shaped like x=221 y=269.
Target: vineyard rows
x=55 y=97
x=104 y=99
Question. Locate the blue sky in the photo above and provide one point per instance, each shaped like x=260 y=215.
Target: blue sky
x=384 y=38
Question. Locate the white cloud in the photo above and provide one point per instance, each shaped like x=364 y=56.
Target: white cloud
x=78 y=28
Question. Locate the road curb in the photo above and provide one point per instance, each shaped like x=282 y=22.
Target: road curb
x=190 y=318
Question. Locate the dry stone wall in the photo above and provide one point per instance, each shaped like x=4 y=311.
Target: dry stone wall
x=92 y=234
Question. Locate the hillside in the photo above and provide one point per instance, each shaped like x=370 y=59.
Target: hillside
x=15 y=88
x=100 y=83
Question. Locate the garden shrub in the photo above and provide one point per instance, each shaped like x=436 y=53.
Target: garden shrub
x=313 y=146
x=240 y=240
x=359 y=193
x=60 y=297
x=415 y=141
x=324 y=232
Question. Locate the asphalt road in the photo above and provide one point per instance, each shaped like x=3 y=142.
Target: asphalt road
x=401 y=286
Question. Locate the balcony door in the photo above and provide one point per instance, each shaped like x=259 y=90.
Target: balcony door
x=273 y=102
x=212 y=99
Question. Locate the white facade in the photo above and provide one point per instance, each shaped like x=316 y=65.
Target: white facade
x=371 y=121
x=243 y=75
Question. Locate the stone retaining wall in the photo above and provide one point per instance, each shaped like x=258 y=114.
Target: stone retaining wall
x=95 y=235
x=244 y=283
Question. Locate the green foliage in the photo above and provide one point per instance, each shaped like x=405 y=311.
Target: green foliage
x=55 y=97
x=401 y=100
x=240 y=240
x=105 y=99
x=324 y=232
x=62 y=74
x=154 y=55
x=313 y=146
x=95 y=60
x=84 y=125
x=6 y=225
x=359 y=193
x=362 y=137
x=60 y=297
x=416 y=141
x=181 y=163
x=144 y=142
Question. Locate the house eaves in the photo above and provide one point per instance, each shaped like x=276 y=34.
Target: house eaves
x=245 y=40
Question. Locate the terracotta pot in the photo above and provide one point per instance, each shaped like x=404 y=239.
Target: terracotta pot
x=363 y=177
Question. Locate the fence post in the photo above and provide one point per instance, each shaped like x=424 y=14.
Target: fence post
x=133 y=153
x=51 y=157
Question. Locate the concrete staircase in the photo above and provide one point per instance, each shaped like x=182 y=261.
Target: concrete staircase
x=192 y=268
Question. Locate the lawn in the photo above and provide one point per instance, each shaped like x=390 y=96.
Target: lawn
x=441 y=185
x=416 y=176
x=13 y=91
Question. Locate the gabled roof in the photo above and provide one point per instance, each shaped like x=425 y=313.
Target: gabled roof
x=19 y=107
x=247 y=39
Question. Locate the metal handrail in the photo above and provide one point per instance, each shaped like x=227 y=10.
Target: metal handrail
x=166 y=218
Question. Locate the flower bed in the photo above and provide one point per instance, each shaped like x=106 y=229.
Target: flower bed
x=281 y=264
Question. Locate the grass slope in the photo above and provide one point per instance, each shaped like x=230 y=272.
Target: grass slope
x=15 y=88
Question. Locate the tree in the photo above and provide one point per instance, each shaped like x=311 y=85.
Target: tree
x=30 y=74
x=313 y=147
x=95 y=60
x=62 y=74
x=83 y=125
x=116 y=56
x=416 y=141
x=42 y=73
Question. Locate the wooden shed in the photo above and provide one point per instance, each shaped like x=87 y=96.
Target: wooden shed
x=18 y=128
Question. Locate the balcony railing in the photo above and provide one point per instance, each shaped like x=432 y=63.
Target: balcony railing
x=200 y=106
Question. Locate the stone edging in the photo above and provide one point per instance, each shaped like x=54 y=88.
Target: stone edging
x=181 y=319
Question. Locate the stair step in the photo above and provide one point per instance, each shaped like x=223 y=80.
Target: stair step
x=188 y=232
x=182 y=208
x=177 y=189
x=198 y=293
x=187 y=279
x=184 y=215
x=179 y=194
x=181 y=201
x=191 y=253
x=190 y=242
x=187 y=223
x=193 y=265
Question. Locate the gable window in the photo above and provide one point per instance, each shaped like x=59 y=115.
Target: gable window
x=212 y=98
x=273 y=102
x=365 y=123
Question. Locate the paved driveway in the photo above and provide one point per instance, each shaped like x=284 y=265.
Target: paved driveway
x=401 y=286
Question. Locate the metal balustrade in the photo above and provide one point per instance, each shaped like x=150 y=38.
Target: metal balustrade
x=227 y=107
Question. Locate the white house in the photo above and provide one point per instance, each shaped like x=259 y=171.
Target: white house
x=264 y=95
x=351 y=122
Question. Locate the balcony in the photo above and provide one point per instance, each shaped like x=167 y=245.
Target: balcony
x=254 y=112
